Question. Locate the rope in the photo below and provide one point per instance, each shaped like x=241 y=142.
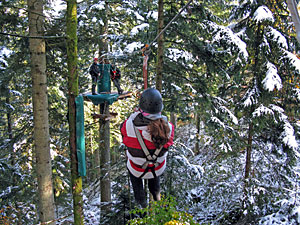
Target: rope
x=146 y=49
x=171 y=21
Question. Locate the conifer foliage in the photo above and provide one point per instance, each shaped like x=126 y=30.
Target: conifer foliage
x=230 y=75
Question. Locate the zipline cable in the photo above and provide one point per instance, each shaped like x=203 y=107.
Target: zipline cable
x=146 y=49
x=171 y=21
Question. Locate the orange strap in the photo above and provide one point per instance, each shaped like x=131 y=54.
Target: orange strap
x=145 y=75
x=145 y=53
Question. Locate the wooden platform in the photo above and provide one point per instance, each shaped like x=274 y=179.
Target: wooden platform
x=104 y=116
x=124 y=95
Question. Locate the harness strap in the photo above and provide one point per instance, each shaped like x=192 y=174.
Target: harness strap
x=156 y=153
x=150 y=159
x=146 y=171
x=142 y=143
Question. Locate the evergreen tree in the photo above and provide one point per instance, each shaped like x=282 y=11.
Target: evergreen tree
x=40 y=110
x=267 y=78
x=76 y=179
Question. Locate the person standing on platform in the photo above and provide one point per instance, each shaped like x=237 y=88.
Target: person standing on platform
x=95 y=72
x=115 y=75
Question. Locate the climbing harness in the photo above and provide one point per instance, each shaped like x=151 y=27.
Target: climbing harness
x=151 y=162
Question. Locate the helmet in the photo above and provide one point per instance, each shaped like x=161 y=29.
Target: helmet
x=95 y=59
x=151 y=101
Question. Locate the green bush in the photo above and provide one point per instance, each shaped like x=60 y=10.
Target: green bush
x=161 y=212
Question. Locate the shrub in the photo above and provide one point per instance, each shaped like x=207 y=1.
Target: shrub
x=161 y=212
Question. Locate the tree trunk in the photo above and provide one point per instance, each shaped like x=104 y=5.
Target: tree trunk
x=9 y=122
x=197 y=145
x=292 y=5
x=103 y=47
x=105 y=158
x=249 y=152
x=248 y=163
x=40 y=112
x=104 y=146
x=72 y=57
x=97 y=158
x=173 y=119
x=160 y=47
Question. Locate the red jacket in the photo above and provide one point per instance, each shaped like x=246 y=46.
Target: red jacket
x=135 y=155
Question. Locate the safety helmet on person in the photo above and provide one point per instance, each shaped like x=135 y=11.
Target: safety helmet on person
x=151 y=101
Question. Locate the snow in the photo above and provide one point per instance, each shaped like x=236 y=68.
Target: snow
x=297 y=93
x=280 y=111
x=133 y=46
x=287 y=135
x=250 y=97
x=139 y=28
x=177 y=88
x=262 y=110
x=4 y=52
x=16 y=93
x=225 y=34
x=153 y=15
x=99 y=6
x=220 y=197
x=278 y=37
x=272 y=79
x=226 y=148
x=296 y=211
x=175 y=54
x=138 y=16
x=53 y=152
x=58 y=6
x=231 y=115
x=218 y=121
x=262 y=14
x=9 y=106
x=289 y=138
x=293 y=60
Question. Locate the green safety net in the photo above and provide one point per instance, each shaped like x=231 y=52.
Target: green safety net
x=80 y=142
x=102 y=98
x=104 y=79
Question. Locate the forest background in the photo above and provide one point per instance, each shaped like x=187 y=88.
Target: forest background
x=230 y=84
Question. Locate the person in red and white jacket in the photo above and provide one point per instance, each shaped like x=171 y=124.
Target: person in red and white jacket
x=156 y=133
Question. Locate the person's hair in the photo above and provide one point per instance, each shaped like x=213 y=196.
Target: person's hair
x=159 y=131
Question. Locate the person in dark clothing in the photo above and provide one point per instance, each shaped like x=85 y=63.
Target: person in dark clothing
x=95 y=72
x=115 y=75
x=157 y=136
